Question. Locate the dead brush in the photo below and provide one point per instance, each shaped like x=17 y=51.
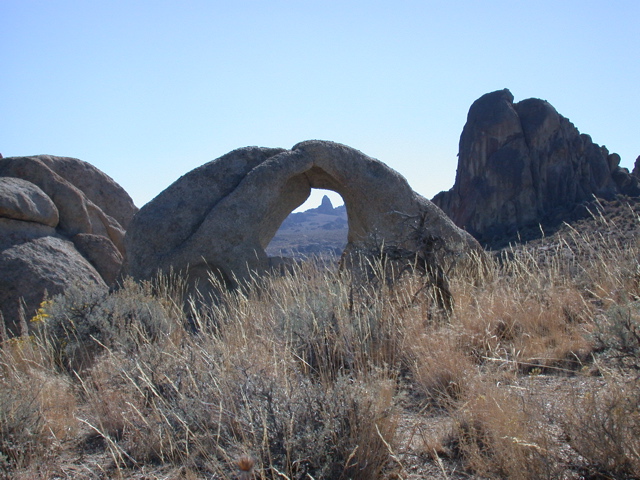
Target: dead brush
x=36 y=408
x=523 y=321
x=304 y=371
x=238 y=384
x=245 y=465
x=553 y=332
x=617 y=334
x=21 y=423
x=497 y=433
x=439 y=369
x=603 y=426
x=332 y=324
x=606 y=265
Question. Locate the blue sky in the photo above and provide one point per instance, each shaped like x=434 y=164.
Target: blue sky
x=148 y=90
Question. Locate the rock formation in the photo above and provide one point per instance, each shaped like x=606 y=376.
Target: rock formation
x=62 y=223
x=325 y=207
x=221 y=216
x=636 y=168
x=520 y=164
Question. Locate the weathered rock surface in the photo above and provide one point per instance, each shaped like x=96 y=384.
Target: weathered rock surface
x=221 y=216
x=60 y=224
x=22 y=200
x=98 y=187
x=521 y=164
x=35 y=261
x=78 y=214
x=636 y=168
x=101 y=253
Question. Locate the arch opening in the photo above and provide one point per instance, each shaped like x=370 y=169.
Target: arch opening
x=318 y=228
x=226 y=212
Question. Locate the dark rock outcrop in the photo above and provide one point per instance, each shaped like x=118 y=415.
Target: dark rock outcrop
x=523 y=164
x=62 y=223
x=221 y=216
x=636 y=168
x=325 y=207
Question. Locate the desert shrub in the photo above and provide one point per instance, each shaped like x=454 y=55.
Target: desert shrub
x=331 y=322
x=604 y=260
x=298 y=375
x=439 y=369
x=82 y=322
x=283 y=370
x=603 y=426
x=204 y=404
x=528 y=317
x=21 y=423
x=497 y=433
x=327 y=431
x=618 y=331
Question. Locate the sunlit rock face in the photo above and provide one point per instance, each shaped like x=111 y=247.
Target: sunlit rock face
x=520 y=163
x=221 y=216
x=62 y=224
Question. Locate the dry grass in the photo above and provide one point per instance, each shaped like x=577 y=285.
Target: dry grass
x=603 y=426
x=440 y=369
x=37 y=408
x=497 y=432
x=314 y=374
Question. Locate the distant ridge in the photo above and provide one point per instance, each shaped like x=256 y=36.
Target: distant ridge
x=320 y=231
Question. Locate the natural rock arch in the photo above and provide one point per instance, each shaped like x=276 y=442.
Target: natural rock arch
x=221 y=216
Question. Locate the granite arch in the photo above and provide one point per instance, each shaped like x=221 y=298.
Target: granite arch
x=221 y=216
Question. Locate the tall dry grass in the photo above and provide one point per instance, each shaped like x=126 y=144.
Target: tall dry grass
x=317 y=374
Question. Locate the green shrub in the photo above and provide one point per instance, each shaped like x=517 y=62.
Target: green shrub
x=82 y=322
x=618 y=331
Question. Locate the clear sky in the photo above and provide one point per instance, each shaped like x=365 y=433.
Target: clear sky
x=147 y=90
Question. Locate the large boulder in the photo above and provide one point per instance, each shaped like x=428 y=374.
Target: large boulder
x=22 y=200
x=78 y=213
x=221 y=216
x=101 y=253
x=522 y=164
x=96 y=185
x=62 y=222
x=36 y=261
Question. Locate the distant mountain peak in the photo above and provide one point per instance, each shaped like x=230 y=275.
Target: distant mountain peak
x=326 y=206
